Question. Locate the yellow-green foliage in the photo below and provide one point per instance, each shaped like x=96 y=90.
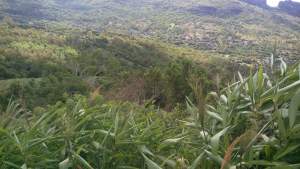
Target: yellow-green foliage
x=42 y=51
x=34 y=44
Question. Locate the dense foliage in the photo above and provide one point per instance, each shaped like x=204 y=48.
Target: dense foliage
x=253 y=123
x=39 y=67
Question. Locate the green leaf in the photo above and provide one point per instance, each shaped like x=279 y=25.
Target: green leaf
x=65 y=164
x=196 y=162
x=11 y=164
x=294 y=133
x=214 y=157
x=240 y=77
x=82 y=161
x=264 y=163
x=281 y=125
x=116 y=123
x=283 y=67
x=224 y=99
x=126 y=167
x=281 y=167
x=260 y=79
x=285 y=150
x=258 y=134
x=150 y=164
x=251 y=85
x=289 y=87
x=299 y=71
x=106 y=133
x=173 y=141
x=215 y=140
x=167 y=161
x=143 y=149
x=293 y=109
x=272 y=61
x=215 y=115
x=24 y=166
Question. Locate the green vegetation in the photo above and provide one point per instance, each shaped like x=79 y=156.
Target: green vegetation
x=230 y=28
x=40 y=67
x=177 y=85
x=253 y=123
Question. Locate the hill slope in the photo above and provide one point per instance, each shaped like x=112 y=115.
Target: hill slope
x=232 y=28
x=41 y=67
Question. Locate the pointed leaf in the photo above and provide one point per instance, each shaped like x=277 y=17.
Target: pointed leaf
x=150 y=164
x=294 y=109
x=66 y=164
x=215 y=140
x=196 y=162
x=82 y=161
x=24 y=166
x=214 y=157
x=285 y=151
x=172 y=141
x=215 y=115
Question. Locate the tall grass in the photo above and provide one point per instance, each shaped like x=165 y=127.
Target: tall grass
x=253 y=123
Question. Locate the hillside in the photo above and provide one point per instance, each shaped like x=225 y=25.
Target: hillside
x=231 y=28
x=40 y=67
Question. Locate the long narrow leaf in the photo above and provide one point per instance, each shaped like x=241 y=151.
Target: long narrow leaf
x=294 y=109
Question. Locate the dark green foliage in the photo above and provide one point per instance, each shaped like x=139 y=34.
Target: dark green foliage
x=13 y=67
x=170 y=85
x=43 y=91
